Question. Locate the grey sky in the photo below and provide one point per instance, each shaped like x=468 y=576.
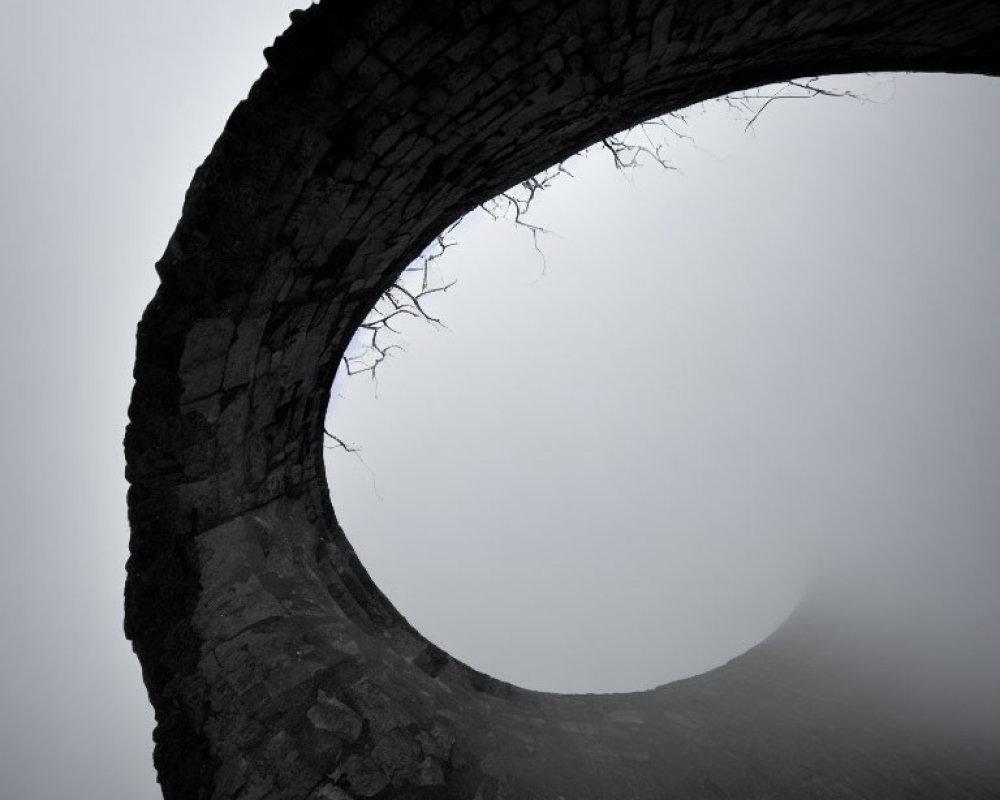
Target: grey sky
x=604 y=477
x=626 y=466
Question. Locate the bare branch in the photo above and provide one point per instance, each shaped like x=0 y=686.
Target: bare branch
x=628 y=149
x=340 y=444
x=806 y=88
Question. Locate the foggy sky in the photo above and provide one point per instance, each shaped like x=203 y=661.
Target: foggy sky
x=770 y=369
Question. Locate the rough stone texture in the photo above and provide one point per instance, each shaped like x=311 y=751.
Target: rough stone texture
x=276 y=667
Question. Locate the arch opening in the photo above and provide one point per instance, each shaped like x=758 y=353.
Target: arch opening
x=246 y=604
x=743 y=385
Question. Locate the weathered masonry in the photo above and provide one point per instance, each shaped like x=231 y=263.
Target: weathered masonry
x=277 y=668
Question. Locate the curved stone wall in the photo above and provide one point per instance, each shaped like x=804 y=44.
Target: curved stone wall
x=276 y=667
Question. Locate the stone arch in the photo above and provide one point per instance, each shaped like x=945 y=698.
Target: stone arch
x=276 y=667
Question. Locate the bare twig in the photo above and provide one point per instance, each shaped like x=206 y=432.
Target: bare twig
x=340 y=444
x=403 y=300
x=630 y=148
x=755 y=102
x=397 y=304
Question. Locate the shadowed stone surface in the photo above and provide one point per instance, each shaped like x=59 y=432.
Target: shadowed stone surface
x=276 y=667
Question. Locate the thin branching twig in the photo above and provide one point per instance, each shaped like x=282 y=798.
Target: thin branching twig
x=340 y=444
x=628 y=149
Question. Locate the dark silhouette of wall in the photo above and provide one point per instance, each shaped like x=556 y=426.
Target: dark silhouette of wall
x=276 y=667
